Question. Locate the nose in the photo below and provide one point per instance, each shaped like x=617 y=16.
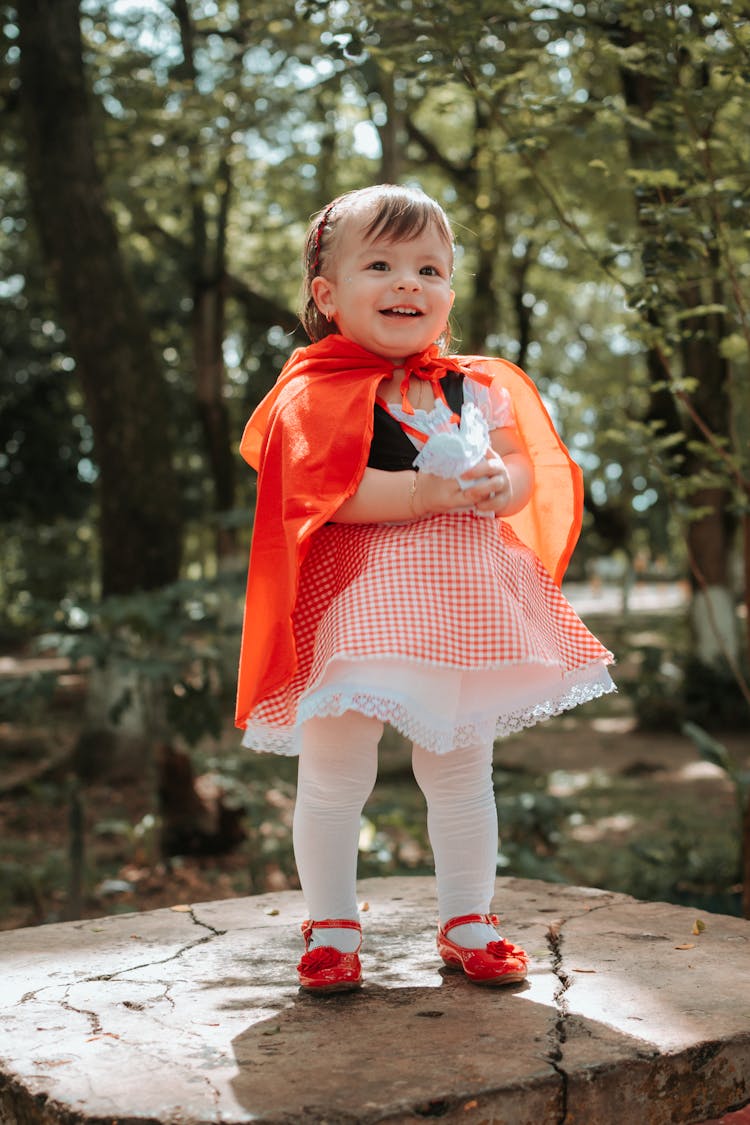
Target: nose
x=406 y=280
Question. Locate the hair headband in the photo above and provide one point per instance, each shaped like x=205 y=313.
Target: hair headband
x=319 y=238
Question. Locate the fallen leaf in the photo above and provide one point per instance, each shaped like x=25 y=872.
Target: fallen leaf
x=687 y=945
x=698 y=926
x=183 y=908
x=471 y=1105
x=272 y=910
x=364 y=906
x=584 y=970
x=272 y=1031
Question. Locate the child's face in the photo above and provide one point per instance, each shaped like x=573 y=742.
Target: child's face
x=392 y=298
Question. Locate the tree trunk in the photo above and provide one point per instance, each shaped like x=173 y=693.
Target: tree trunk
x=391 y=129
x=519 y=271
x=746 y=858
x=709 y=537
x=126 y=399
x=209 y=300
x=209 y=285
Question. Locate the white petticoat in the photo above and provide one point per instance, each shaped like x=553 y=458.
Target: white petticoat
x=481 y=646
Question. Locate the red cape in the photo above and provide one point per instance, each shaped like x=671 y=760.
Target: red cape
x=310 y=440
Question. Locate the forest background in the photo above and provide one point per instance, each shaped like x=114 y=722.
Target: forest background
x=160 y=162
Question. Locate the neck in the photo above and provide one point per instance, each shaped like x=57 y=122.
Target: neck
x=416 y=365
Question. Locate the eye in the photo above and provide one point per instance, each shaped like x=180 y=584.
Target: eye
x=379 y=265
x=430 y=271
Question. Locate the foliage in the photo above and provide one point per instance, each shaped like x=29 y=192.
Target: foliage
x=171 y=650
x=513 y=116
x=716 y=753
x=712 y=697
x=598 y=827
x=657 y=692
x=671 y=689
x=594 y=160
x=713 y=751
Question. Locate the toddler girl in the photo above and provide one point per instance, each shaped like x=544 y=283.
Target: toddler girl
x=381 y=592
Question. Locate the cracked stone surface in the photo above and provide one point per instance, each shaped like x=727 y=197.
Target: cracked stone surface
x=193 y=1015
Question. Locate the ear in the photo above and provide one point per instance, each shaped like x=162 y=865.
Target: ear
x=322 y=291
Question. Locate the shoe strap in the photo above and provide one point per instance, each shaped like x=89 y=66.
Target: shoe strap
x=309 y=925
x=470 y=919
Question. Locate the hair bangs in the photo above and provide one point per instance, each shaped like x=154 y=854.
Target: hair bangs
x=401 y=215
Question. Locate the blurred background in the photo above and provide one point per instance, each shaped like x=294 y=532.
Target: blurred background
x=159 y=163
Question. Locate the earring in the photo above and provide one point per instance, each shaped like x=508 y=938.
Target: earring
x=329 y=317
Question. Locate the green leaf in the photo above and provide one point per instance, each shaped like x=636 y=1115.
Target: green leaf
x=741 y=779
x=701 y=310
x=734 y=346
x=654 y=177
x=709 y=749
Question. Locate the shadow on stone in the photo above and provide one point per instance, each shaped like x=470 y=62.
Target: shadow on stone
x=194 y=1016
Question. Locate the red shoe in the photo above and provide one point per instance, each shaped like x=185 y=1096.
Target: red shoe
x=326 y=969
x=498 y=963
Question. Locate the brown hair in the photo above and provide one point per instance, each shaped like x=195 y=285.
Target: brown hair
x=399 y=212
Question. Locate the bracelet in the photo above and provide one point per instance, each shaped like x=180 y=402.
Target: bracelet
x=413 y=496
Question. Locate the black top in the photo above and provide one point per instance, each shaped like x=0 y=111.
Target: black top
x=391 y=449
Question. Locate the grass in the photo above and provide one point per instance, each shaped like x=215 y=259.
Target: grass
x=586 y=799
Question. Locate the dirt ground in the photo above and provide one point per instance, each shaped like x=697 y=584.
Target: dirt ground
x=583 y=800
x=586 y=799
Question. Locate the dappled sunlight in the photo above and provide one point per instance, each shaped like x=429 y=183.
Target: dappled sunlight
x=613 y=724
x=702 y=771
x=564 y=783
x=604 y=827
x=618 y=1001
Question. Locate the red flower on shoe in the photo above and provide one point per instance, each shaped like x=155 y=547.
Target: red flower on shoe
x=505 y=950
x=322 y=957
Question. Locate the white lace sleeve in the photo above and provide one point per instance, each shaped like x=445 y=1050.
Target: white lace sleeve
x=494 y=402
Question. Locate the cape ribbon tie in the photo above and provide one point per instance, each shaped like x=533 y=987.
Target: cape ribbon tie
x=430 y=368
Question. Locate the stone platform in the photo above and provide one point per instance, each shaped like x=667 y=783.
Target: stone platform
x=192 y=1015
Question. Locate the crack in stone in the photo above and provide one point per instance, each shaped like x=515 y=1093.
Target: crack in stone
x=92 y=1017
x=166 y=995
x=206 y=926
x=149 y=964
x=214 y=1092
x=559 y=1032
x=103 y=977
x=213 y=932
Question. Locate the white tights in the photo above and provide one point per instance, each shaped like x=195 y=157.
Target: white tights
x=337 y=771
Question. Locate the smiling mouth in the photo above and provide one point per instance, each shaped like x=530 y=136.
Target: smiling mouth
x=402 y=311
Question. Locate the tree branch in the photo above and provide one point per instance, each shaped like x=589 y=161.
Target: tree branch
x=264 y=311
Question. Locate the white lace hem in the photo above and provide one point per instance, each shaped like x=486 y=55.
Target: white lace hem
x=334 y=701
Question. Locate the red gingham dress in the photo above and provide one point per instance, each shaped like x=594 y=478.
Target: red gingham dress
x=447 y=627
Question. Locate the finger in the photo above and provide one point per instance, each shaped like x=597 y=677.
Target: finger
x=495 y=497
x=486 y=467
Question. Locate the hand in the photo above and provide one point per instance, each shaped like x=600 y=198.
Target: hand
x=435 y=495
x=493 y=491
